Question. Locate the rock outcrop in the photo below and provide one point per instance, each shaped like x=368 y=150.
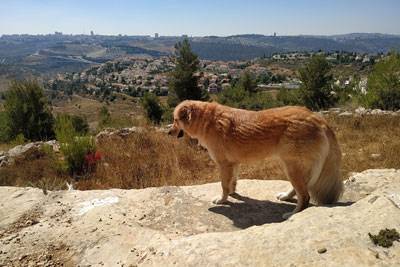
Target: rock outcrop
x=178 y=226
x=9 y=156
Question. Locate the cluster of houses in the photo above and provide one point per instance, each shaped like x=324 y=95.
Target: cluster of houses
x=136 y=75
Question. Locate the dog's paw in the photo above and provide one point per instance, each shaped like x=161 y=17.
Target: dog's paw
x=283 y=196
x=287 y=215
x=219 y=200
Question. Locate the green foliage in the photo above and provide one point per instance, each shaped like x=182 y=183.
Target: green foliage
x=104 y=117
x=182 y=81
x=73 y=145
x=28 y=112
x=4 y=131
x=248 y=82
x=317 y=84
x=79 y=123
x=384 y=84
x=151 y=105
x=18 y=140
x=238 y=97
x=290 y=97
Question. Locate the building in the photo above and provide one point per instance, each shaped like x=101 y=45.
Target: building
x=156 y=35
x=91 y=33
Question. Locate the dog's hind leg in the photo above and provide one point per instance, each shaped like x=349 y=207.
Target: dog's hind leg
x=226 y=173
x=297 y=176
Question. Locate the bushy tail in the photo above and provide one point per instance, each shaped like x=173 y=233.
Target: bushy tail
x=329 y=186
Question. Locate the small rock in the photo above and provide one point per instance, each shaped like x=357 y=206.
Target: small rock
x=321 y=250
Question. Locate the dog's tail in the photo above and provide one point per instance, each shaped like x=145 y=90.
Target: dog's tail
x=328 y=187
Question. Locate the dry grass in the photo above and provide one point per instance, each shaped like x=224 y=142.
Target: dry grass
x=362 y=137
x=125 y=110
x=35 y=169
x=148 y=159
x=151 y=158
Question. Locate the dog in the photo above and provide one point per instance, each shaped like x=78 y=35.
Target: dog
x=302 y=142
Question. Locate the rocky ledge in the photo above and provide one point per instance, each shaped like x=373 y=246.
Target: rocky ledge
x=178 y=226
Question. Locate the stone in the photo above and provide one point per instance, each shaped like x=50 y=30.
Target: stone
x=179 y=226
x=345 y=114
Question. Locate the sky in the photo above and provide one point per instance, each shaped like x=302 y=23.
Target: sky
x=199 y=17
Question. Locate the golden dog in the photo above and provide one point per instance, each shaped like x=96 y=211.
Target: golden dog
x=301 y=140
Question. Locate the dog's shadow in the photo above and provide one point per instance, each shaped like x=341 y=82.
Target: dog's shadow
x=252 y=212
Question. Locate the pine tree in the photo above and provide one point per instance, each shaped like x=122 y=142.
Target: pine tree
x=183 y=81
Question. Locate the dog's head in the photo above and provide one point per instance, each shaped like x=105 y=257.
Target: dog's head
x=182 y=119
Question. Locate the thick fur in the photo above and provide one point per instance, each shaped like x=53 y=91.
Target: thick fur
x=300 y=139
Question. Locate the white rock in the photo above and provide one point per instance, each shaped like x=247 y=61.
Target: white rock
x=178 y=226
x=345 y=114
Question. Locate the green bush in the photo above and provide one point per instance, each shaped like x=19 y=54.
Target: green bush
x=152 y=107
x=384 y=84
x=4 y=131
x=28 y=112
x=238 y=97
x=104 y=117
x=79 y=123
x=290 y=97
x=74 y=146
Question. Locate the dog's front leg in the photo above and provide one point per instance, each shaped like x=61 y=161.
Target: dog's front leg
x=226 y=174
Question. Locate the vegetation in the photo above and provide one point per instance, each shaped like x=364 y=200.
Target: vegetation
x=152 y=107
x=75 y=146
x=384 y=84
x=385 y=237
x=182 y=81
x=27 y=112
x=317 y=84
x=244 y=94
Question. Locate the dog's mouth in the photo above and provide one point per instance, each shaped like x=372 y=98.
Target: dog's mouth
x=180 y=134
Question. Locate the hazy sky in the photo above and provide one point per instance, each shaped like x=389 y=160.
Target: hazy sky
x=200 y=17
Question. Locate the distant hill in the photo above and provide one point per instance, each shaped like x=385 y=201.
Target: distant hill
x=47 y=54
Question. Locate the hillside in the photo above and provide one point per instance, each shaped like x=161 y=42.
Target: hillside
x=49 y=54
x=178 y=226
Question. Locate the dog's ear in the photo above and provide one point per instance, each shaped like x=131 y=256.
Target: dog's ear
x=185 y=114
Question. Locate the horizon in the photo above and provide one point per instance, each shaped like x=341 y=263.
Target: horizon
x=198 y=36
x=198 y=19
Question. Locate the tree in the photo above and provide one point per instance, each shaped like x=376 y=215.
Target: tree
x=384 y=84
x=28 y=111
x=104 y=117
x=183 y=81
x=152 y=107
x=248 y=82
x=316 y=90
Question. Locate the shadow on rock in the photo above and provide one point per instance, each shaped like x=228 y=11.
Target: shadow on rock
x=252 y=212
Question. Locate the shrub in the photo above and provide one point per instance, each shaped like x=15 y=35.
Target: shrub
x=238 y=97
x=104 y=117
x=28 y=112
x=4 y=131
x=79 y=123
x=290 y=97
x=74 y=146
x=384 y=84
x=152 y=107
